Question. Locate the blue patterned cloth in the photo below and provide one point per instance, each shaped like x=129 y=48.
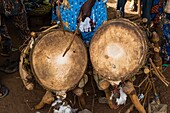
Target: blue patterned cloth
x=156 y=12
x=69 y=16
x=166 y=33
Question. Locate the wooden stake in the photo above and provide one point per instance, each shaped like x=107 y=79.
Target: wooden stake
x=104 y=84
x=108 y=94
x=48 y=98
x=130 y=109
x=139 y=8
x=82 y=101
x=79 y=92
x=128 y=89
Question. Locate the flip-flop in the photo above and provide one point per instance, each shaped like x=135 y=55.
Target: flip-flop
x=3 y=91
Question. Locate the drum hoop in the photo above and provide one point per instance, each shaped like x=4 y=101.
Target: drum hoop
x=31 y=65
x=144 y=42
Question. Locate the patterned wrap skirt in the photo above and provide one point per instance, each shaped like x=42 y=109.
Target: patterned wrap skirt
x=69 y=16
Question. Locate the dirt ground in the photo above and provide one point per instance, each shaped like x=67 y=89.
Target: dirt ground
x=20 y=100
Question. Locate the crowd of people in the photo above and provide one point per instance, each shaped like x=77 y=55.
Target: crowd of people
x=88 y=14
x=13 y=10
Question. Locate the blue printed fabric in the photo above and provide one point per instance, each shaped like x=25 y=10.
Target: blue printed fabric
x=156 y=11
x=166 y=33
x=69 y=16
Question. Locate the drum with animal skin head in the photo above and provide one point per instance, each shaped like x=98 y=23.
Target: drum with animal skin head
x=52 y=70
x=118 y=49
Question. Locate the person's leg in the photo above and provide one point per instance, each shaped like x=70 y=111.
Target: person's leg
x=3 y=91
x=6 y=40
x=121 y=6
x=118 y=5
x=146 y=9
x=20 y=22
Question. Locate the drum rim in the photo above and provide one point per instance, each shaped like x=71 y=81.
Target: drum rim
x=144 y=59
x=31 y=59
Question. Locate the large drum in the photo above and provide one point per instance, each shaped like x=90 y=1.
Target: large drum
x=53 y=71
x=118 y=49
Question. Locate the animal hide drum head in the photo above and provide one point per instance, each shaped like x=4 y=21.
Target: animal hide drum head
x=52 y=70
x=118 y=49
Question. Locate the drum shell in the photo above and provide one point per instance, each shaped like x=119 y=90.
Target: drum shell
x=72 y=72
x=121 y=31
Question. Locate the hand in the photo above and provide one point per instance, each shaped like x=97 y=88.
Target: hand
x=85 y=10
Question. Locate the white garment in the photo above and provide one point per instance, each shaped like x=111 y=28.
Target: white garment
x=122 y=99
x=85 y=26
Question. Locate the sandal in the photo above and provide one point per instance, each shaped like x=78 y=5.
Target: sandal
x=3 y=91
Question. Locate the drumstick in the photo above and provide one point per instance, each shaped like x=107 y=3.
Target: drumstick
x=71 y=41
x=59 y=16
x=77 y=28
